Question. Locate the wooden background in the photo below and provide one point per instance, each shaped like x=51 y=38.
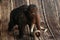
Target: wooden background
x=49 y=11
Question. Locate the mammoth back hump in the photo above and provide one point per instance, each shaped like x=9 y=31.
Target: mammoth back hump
x=23 y=8
x=19 y=10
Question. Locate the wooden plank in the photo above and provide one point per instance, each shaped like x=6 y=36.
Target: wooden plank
x=0 y=17
x=5 y=19
x=58 y=9
x=20 y=2
x=51 y=15
x=5 y=13
x=44 y=34
x=5 y=36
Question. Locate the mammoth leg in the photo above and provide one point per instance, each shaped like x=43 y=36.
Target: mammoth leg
x=11 y=25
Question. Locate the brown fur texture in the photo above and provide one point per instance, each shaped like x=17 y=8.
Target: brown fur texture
x=22 y=16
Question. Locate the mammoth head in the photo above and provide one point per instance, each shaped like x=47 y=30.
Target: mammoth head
x=32 y=8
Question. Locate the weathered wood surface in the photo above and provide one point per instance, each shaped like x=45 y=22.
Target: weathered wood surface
x=49 y=11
